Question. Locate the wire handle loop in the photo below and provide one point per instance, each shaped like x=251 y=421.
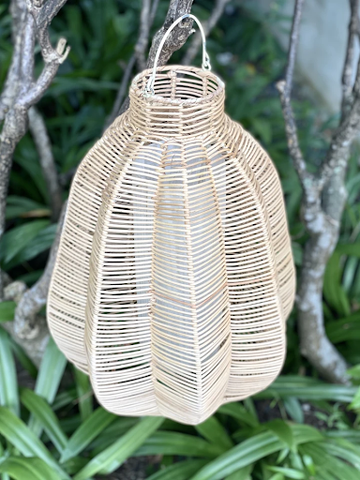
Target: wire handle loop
x=149 y=89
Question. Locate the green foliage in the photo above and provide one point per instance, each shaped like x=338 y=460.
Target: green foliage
x=8 y=384
x=15 y=431
x=48 y=379
x=34 y=468
x=84 y=392
x=233 y=444
x=17 y=239
x=87 y=432
x=7 y=311
x=46 y=418
x=113 y=456
x=179 y=471
x=57 y=431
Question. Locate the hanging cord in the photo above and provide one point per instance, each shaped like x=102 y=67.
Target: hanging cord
x=149 y=89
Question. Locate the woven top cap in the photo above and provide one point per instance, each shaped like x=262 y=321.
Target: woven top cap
x=185 y=101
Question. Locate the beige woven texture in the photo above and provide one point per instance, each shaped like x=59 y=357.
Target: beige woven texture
x=174 y=275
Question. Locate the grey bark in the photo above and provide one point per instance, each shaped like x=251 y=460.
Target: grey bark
x=18 y=13
x=143 y=39
x=174 y=42
x=43 y=145
x=324 y=196
x=179 y=35
x=30 y=21
x=21 y=90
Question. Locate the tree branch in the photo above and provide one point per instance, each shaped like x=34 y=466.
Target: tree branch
x=154 y=8
x=322 y=204
x=42 y=141
x=29 y=24
x=143 y=39
x=45 y=11
x=179 y=35
x=284 y=88
x=208 y=26
x=10 y=90
x=33 y=347
x=34 y=299
x=29 y=329
x=146 y=21
x=176 y=40
x=52 y=61
x=338 y=153
x=122 y=91
x=350 y=54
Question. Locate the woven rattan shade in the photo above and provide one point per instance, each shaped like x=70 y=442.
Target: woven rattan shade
x=174 y=275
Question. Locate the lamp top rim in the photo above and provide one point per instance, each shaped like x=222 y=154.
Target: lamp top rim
x=169 y=72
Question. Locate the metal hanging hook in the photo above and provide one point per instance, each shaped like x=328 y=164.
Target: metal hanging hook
x=149 y=89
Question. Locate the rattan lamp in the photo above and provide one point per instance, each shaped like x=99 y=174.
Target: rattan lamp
x=174 y=275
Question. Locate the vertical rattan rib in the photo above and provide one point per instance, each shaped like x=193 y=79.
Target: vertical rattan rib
x=174 y=275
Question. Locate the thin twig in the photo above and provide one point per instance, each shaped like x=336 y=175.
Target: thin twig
x=347 y=76
x=348 y=128
x=121 y=92
x=154 y=8
x=143 y=39
x=139 y=55
x=47 y=75
x=284 y=88
x=42 y=141
x=208 y=27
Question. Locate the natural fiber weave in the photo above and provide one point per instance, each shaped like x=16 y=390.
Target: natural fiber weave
x=174 y=275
